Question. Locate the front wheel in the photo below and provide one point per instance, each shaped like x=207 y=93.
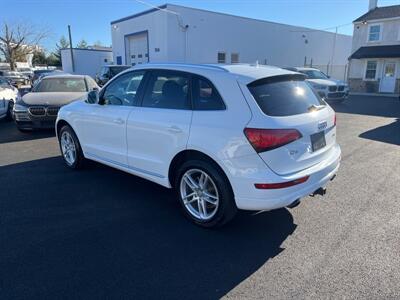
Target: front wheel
x=205 y=194
x=10 y=112
x=70 y=148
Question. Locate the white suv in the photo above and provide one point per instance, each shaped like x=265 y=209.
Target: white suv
x=225 y=137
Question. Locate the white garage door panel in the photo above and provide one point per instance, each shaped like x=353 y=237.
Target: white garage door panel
x=138 y=52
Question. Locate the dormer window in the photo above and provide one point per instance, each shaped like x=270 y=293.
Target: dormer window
x=374 y=33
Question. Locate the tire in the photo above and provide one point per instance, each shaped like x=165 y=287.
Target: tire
x=10 y=114
x=219 y=209
x=70 y=148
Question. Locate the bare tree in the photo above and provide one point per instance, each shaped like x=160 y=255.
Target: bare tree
x=18 y=40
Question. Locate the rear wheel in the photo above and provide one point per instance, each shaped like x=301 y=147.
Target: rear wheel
x=205 y=194
x=70 y=148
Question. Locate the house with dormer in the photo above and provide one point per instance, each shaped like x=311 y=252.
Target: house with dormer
x=374 y=65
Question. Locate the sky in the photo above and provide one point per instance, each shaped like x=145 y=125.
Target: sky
x=90 y=19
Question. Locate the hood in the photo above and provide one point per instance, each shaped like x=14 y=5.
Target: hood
x=327 y=82
x=52 y=98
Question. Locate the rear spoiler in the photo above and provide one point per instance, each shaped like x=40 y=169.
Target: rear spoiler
x=278 y=78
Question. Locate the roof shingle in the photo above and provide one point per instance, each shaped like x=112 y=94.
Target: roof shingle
x=380 y=13
x=390 y=51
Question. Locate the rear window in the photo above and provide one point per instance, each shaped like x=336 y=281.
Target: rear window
x=284 y=96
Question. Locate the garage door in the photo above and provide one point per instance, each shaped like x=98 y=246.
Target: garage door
x=137 y=49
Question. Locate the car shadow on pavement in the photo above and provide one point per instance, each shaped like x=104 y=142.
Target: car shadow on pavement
x=102 y=233
x=9 y=133
x=369 y=105
x=389 y=133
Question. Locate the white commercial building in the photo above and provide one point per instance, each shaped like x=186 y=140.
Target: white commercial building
x=173 y=33
x=85 y=61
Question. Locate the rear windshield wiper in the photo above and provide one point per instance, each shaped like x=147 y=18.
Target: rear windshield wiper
x=315 y=107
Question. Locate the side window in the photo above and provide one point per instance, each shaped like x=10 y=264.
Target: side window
x=123 y=90
x=103 y=71
x=221 y=57
x=374 y=33
x=167 y=89
x=205 y=95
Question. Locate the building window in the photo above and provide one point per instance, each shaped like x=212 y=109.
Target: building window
x=234 y=58
x=374 y=33
x=221 y=57
x=370 y=71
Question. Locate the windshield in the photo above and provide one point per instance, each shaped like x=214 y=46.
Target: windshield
x=284 y=97
x=314 y=74
x=77 y=85
x=24 y=70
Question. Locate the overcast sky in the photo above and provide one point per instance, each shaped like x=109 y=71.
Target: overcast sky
x=90 y=19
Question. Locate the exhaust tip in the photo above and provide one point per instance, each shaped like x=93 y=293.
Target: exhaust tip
x=294 y=203
x=321 y=191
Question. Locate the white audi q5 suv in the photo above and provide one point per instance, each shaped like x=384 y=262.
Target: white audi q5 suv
x=225 y=137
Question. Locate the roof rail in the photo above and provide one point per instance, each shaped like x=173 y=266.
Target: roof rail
x=204 y=66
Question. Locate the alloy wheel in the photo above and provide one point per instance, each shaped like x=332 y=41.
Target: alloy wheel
x=199 y=194
x=68 y=148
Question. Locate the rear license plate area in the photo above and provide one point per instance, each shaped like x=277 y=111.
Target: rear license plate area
x=318 y=141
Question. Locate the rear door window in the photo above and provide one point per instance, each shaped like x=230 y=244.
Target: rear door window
x=205 y=95
x=284 y=96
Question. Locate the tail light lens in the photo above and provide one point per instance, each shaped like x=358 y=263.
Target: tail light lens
x=268 y=139
x=334 y=120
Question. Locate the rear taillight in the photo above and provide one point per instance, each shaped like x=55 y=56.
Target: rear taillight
x=334 y=120
x=268 y=139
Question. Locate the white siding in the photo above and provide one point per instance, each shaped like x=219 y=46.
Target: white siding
x=209 y=32
x=156 y=25
x=86 y=61
x=390 y=30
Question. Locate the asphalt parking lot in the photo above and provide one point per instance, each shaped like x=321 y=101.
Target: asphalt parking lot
x=101 y=233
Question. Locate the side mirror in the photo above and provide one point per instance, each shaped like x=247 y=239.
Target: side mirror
x=93 y=97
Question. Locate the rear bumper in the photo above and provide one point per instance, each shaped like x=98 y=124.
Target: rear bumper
x=249 y=198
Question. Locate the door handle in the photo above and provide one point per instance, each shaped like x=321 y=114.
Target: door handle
x=174 y=129
x=118 y=121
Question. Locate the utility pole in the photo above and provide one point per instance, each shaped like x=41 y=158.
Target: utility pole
x=70 y=48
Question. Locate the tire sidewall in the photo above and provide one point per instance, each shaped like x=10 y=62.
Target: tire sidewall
x=226 y=198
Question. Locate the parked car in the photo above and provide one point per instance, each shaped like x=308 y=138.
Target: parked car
x=37 y=73
x=328 y=88
x=108 y=72
x=225 y=137
x=28 y=72
x=15 y=78
x=8 y=95
x=51 y=73
x=39 y=108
